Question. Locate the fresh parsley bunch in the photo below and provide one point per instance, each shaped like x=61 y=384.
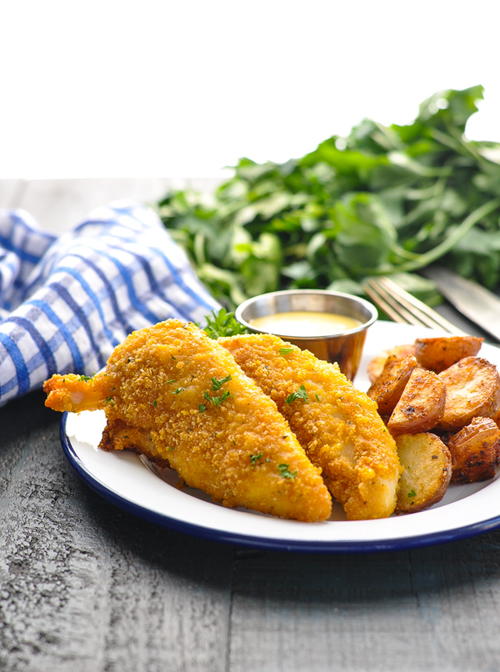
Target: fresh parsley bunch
x=384 y=200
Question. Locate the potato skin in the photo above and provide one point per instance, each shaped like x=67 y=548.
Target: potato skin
x=421 y=405
x=426 y=463
x=496 y=417
x=474 y=451
x=376 y=365
x=472 y=385
x=438 y=354
x=389 y=386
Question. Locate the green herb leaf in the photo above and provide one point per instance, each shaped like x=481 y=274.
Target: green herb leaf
x=223 y=323
x=218 y=383
x=179 y=390
x=85 y=378
x=217 y=401
x=301 y=394
x=285 y=471
x=383 y=200
x=202 y=408
x=254 y=459
x=285 y=351
x=155 y=403
x=412 y=493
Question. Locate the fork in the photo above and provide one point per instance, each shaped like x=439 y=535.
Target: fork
x=401 y=306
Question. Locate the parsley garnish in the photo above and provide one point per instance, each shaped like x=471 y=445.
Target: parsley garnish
x=285 y=351
x=285 y=471
x=300 y=394
x=109 y=400
x=217 y=401
x=85 y=378
x=155 y=403
x=318 y=398
x=202 y=408
x=218 y=383
x=172 y=380
x=223 y=323
x=412 y=493
x=255 y=458
x=179 y=390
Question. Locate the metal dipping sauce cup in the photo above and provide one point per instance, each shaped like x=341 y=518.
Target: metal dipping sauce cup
x=344 y=347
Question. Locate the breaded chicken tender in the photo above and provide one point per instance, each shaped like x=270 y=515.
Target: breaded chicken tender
x=177 y=396
x=338 y=425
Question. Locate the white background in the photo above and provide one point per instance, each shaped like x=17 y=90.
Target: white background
x=142 y=88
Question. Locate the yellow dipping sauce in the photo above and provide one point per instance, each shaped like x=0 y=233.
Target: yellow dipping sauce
x=305 y=323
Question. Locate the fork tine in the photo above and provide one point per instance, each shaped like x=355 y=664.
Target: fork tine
x=433 y=318
x=385 y=302
x=403 y=307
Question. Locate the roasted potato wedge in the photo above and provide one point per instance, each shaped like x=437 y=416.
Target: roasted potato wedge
x=421 y=405
x=426 y=463
x=389 y=386
x=438 y=354
x=474 y=451
x=376 y=365
x=496 y=413
x=472 y=385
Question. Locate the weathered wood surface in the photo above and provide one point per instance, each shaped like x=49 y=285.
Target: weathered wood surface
x=87 y=588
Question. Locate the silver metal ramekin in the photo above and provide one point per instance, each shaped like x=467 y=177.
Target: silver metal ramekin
x=345 y=347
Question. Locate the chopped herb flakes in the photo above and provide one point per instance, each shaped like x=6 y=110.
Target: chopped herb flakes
x=85 y=378
x=217 y=401
x=254 y=459
x=285 y=471
x=155 y=403
x=202 y=408
x=285 y=351
x=300 y=394
x=172 y=380
x=109 y=400
x=179 y=390
x=412 y=493
x=218 y=383
x=318 y=398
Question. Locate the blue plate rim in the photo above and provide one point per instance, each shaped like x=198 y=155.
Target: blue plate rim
x=354 y=546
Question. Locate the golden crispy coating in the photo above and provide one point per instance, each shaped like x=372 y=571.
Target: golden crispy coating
x=176 y=395
x=338 y=425
x=76 y=393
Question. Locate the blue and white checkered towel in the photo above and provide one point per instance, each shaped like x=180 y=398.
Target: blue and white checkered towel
x=66 y=302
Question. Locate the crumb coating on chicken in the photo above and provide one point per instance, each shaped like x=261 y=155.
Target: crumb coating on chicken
x=338 y=426
x=174 y=394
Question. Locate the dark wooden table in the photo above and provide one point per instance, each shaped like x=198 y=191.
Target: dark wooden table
x=86 y=587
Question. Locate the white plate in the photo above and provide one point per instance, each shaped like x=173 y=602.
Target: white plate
x=124 y=478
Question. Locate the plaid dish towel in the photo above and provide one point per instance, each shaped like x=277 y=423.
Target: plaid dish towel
x=66 y=301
